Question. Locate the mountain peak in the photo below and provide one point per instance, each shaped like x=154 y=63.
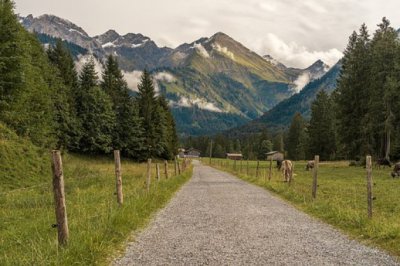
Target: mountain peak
x=318 y=67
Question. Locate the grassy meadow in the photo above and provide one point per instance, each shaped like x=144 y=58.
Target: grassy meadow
x=98 y=226
x=341 y=197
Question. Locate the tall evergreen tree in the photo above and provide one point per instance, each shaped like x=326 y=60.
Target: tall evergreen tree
x=322 y=135
x=96 y=113
x=296 y=143
x=128 y=133
x=148 y=108
x=68 y=128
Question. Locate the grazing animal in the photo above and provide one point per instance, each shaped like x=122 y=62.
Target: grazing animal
x=310 y=165
x=384 y=162
x=279 y=164
x=396 y=170
x=287 y=170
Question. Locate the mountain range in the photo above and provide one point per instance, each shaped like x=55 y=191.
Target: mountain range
x=212 y=84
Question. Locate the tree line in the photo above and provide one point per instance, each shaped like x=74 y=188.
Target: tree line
x=45 y=99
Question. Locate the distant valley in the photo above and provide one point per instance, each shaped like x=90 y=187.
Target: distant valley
x=212 y=84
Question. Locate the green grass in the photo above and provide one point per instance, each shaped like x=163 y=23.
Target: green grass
x=341 y=197
x=98 y=227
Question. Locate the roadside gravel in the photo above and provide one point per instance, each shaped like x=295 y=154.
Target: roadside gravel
x=217 y=219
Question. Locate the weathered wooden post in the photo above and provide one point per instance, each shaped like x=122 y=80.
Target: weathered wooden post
x=315 y=177
x=211 y=143
x=257 y=169
x=176 y=166
x=270 y=169
x=59 y=198
x=179 y=166
x=369 y=185
x=148 y=179
x=166 y=169
x=158 y=171
x=118 y=177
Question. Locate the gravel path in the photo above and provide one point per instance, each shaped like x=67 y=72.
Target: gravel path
x=217 y=219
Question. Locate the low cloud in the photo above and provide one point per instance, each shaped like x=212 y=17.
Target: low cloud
x=200 y=48
x=200 y=103
x=83 y=59
x=164 y=76
x=302 y=81
x=133 y=79
x=292 y=54
x=224 y=50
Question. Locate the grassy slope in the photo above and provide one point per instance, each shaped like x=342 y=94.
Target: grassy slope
x=21 y=163
x=98 y=227
x=341 y=198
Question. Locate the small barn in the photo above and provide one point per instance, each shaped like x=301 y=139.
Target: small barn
x=192 y=153
x=234 y=156
x=275 y=156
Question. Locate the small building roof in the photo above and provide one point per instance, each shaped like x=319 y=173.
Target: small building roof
x=272 y=152
x=234 y=154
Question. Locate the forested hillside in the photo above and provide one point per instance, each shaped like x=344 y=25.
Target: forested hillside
x=46 y=101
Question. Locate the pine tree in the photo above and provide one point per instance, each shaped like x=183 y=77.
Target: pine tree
x=148 y=109
x=128 y=133
x=353 y=87
x=296 y=143
x=96 y=113
x=322 y=140
x=171 y=138
x=26 y=81
x=68 y=128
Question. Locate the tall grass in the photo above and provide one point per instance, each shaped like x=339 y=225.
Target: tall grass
x=98 y=226
x=341 y=197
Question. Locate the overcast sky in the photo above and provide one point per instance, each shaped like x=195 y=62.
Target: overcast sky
x=295 y=32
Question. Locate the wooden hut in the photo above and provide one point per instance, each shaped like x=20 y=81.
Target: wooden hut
x=234 y=156
x=275 y=156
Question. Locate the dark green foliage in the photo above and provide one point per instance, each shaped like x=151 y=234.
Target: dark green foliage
x=322 y=134
x=367 y=97
x=297 y=139
x=128 y=134
x=26 y=79
x=74 y=49
x=68 y=129
x=96 y=113
x=157 y=121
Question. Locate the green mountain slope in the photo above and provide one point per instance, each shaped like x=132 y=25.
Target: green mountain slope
x=281 y=115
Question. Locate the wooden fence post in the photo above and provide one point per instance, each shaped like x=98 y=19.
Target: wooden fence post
x=59 y=198
x=315 y=177
x=257 y=169
x=270 y=169
x=118 y=177
x=148 y=179
x=158 y=171
x=176 y=166
x=179 y=166
x=166 y=169
x=369 y=185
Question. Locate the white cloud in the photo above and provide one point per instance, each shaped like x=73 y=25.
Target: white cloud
x=224 y=50
x=165 y=76
x=302 y=81
x=293 y=54
x=133 y=79
x=83 y=59
x=200 y=103
x=200 y=48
